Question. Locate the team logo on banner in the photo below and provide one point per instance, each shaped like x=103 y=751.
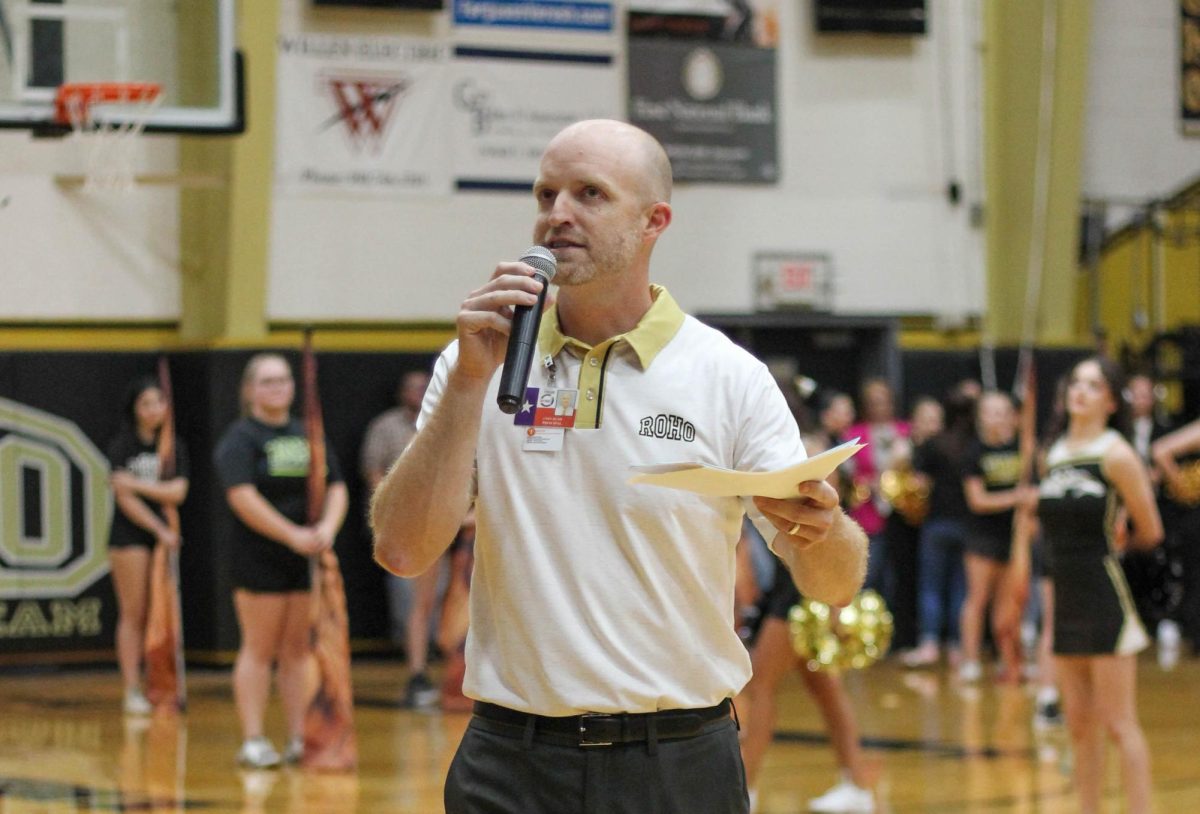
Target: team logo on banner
x=55 y=506
x=365 y=106
x=362 y=114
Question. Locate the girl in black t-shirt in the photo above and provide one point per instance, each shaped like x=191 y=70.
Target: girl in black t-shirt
x=941 y=582
x=991 y=478
x=263 y=461
x=139 y=524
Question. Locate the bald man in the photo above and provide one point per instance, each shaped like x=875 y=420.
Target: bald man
x=601 y=652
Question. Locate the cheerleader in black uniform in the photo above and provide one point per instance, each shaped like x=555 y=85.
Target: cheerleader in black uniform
x=1091 y=473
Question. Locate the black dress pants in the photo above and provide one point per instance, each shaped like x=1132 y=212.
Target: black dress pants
x=498 y=771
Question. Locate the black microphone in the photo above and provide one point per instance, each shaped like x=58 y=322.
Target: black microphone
x=522 y=339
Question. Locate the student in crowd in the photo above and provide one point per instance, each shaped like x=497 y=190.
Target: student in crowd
x=139 y=524
x=1177 y=456
x=835 y=415
x=941 y=581
x=991 y=480
x=263 y=462
x=881 y=431
x=411 y=602
x=1156 y=576
x=903 y=527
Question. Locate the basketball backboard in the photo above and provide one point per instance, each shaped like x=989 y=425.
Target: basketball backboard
x=186 y=46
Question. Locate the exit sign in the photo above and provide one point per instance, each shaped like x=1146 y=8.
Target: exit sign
x=800 y=280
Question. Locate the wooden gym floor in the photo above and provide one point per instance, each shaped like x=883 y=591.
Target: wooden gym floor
x=932 y=745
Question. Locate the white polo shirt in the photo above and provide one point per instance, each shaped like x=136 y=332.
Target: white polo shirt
x=592 y=594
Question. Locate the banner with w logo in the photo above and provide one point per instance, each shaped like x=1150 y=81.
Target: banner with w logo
x=362 y=114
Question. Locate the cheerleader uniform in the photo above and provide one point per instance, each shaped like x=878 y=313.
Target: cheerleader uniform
x=1094 y=611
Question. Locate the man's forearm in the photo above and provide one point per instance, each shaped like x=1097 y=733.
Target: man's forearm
x=831 y=571
x=420 y=502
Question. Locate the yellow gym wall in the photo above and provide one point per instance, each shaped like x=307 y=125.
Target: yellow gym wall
x=1129 y=307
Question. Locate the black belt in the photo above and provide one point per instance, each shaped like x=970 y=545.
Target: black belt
x=604 y=729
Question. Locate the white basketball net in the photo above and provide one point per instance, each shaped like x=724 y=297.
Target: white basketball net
x=109 y=147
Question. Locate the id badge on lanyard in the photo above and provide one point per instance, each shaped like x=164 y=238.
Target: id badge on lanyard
x=546 y=413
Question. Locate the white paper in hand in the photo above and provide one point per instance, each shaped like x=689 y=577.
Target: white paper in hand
x=715 y=481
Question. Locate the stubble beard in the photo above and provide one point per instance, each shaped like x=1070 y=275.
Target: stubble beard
x=602 y=262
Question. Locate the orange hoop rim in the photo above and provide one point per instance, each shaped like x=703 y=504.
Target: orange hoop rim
x=86 y=94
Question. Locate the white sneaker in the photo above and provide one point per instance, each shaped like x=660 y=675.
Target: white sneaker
x=844 y=797
x=258 y=753
x=293 y=752
x=969 y=672
x=926 y=655
x=1168 y=634
x=136 y=703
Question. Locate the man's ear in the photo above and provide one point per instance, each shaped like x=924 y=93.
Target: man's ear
x=658 y=219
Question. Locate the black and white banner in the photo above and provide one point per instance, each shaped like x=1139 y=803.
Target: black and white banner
x=509 y=104
x=362 y=114
x=1189 y=67
x=704 y=85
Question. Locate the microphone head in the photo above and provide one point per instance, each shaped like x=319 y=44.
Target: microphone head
x=541 y=259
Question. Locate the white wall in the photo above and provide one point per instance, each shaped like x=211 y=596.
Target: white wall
x=74 y=255
x=1134 y=147
x=870 y=132
x=71 y=255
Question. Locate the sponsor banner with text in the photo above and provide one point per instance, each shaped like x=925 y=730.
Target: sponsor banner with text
x=704 y=85
x=509 y=104
x=558 y=14
x=362 y=115
x=1189 y=67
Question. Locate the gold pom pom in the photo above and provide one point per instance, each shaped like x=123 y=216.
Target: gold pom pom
x=851 y=638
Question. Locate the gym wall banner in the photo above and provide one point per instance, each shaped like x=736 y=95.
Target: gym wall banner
x=1189 y=67
x=508 y=104
x=704 y=85
x=55 y=508
x=362 y=114
x=557 y=14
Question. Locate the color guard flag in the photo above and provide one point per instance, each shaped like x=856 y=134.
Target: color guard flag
x=330 y=742
x=165 y=685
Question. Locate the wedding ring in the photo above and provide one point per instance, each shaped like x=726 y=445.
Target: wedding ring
x=792 y=531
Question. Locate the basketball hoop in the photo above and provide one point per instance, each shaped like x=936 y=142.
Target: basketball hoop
x=109 y=137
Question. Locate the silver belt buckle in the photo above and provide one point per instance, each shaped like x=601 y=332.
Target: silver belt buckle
x=584 y=738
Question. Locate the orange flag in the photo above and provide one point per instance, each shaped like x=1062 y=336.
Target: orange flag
x=330 y=742
x=165 y=685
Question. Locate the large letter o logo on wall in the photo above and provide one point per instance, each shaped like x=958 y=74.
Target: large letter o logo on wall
x=55 y=506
